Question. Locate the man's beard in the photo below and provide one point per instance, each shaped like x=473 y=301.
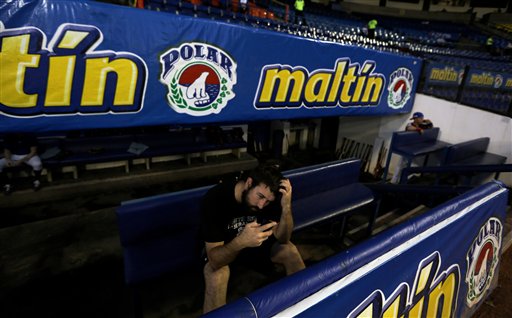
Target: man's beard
x=246 y=204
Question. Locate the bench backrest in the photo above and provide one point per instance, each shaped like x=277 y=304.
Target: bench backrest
x=466 y=149
x=401 y=138
x=100 y=144
x=321 y=177
x=159 y=234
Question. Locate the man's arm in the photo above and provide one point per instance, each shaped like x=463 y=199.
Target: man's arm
x=220 y=254
x=411 y=127
x=283 y=231
x=32 y=153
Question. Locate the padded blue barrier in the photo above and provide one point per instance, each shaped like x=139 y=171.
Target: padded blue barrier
x=287 y=293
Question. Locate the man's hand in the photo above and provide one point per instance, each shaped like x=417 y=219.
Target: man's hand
x=254 y=234
x=285 y=188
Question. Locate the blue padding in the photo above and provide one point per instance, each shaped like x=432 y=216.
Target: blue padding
x=412 y=137
x=470 y=153
x=241 y=308
x=159 y=234
x=412 y=143
x=310 y=180
x=276 y=297
x=482 y=159
x=466 y=149
x=330 y=204
x=161 y=214
x=420 y=148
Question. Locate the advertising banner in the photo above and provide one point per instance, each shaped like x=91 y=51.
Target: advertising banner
x=443 y=74
x=86 y=64
x=441 y=264
x=484 y=79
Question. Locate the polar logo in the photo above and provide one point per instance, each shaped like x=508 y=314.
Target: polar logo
x=200 y=78
x=482 y=260
x=400 y=88
x=197 y=90
x=398 y=92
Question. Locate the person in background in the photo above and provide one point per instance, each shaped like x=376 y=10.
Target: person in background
x=372 y=25
x=299 y=11
x=489 y=46
x=247 y=222
x=243 y=6
x=20 y=149
x=419 y=124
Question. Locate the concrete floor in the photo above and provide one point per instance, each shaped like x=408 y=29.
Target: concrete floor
x=60 y=251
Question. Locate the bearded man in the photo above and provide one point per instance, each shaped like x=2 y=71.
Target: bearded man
x=246 y=221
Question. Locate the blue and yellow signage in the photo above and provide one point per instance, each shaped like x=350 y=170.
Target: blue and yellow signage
x=80 y=64
x=69 y=76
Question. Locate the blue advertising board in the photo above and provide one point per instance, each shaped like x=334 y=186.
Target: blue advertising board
x=478 y=78
x=443 y=74
x=85 y=64
x=443 y=263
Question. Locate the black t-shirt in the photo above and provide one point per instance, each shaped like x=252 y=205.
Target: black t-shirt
x=223 y=218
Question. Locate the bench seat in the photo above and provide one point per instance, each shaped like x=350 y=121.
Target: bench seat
x=482 y=159
x=414 y=150
x=333 y=204
x=472 y=152
x=411 y=144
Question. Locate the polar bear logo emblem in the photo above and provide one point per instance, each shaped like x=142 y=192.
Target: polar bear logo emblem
x=197 y=90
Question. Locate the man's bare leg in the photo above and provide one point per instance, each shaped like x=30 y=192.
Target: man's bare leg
x=288 y=255
x=216 y=288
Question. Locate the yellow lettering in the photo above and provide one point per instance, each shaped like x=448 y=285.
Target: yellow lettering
x=445 y=291
x=348 y=80
x=374 y=84
x=446 y=74
x=60 y=81
x=393 y=310
x=311 y=93
x=340 y=69
x=96 y=71
x=367 y=312
x=285 y=78
x=359 y=88
x=14 y=59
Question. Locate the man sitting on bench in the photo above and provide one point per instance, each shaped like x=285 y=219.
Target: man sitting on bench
x=19 y=149
x=248 y=221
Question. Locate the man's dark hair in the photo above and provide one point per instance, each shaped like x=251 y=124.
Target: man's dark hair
x=267 y=174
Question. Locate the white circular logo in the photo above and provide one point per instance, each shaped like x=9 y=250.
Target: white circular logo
x=399 y=88
x=200 y=78
x=482 y=259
